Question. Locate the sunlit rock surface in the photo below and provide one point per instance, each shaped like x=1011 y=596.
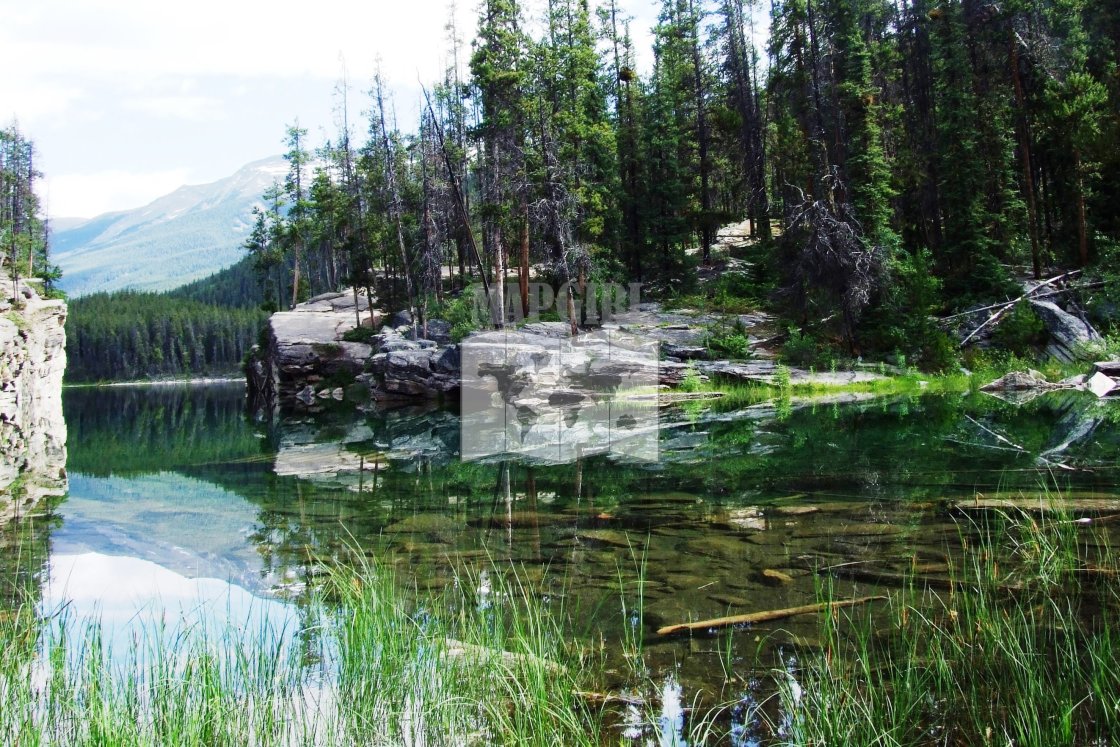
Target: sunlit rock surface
x=32 y=429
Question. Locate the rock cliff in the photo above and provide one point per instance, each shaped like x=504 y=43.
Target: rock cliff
x=305 y=352
x=32 y=428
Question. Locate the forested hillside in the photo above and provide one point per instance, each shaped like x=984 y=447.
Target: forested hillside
x=898 y=159
x=204 y=328
x=238 y=286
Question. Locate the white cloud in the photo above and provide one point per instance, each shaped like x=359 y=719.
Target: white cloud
x=124 y=96
x=90 y=194
x=35 y=104
x=142 y=39
x=193 y=108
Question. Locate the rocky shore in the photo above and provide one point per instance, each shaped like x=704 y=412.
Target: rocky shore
x=32 y=429
x=311 y=357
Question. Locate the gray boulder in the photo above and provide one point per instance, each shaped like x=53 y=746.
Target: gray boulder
x=1102 y=385
x=1068 y=333
x=438 y=331
x=1018 y=381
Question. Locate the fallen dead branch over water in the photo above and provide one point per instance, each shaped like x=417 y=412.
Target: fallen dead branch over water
x=767 y=616
x=1006 y=306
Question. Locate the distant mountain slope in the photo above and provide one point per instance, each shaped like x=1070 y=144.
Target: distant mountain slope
x=237 y=286
x=183 y=236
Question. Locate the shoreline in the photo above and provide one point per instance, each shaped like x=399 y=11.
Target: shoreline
x=210 y=381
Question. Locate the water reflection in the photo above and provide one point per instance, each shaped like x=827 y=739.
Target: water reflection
x=133 y=598
x=740 y=513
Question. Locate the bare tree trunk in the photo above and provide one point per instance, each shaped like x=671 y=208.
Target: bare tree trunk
x=524 y=273
x=1025 y=156
x=395 y=205
x=460 y=202
x=295 y=275
x=1082 y=229
x=707 y=233
x=499 y=277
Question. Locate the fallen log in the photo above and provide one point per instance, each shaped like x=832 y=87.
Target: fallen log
x=766 y=616
x=1006 y=306
x=1108 y=368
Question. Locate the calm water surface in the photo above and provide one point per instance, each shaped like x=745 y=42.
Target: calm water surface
x=180 y=503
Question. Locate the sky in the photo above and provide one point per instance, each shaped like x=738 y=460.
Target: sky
x=128 y=99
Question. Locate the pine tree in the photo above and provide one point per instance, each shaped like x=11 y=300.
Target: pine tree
x=296 y=227
x=497 y=67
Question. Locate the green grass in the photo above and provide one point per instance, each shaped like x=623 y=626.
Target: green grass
x=1023 y=652
x=1020 y=650
x=373 y=666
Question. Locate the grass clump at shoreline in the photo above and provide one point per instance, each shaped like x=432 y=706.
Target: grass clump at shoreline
x=1021 y=650
x=1013 y=646
x=370 y=666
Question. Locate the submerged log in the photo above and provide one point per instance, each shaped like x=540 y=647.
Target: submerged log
x=893 y=578
x=461 y=649
x=767 y=616
x=1061 y=505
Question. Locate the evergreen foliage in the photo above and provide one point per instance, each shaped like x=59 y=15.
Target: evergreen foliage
x=23 y=229
x=914 y=157
x=129 y=335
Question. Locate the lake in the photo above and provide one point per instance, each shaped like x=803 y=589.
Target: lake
x=181 y=503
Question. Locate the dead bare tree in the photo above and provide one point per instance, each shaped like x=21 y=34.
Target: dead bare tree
x=830 y=257
x=395 y=205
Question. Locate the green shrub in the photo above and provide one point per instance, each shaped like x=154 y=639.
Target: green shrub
x=359 y=334
x=801 y=349
x=939 y=353
x=1104 y=302
x=457 y=311
x=1020 y=332
x=729 y=341
x=691 y=381
x=782 y=379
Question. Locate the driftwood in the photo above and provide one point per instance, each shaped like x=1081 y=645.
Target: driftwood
x=1003 y=308
x=767 y=616
x=460 y=202
x=1016 y=447
x=1001 y=304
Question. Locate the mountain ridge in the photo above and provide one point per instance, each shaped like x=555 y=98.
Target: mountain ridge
x=193 y=231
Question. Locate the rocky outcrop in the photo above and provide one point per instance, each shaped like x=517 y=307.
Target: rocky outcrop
x=1070 y=335
x=1023 y=386
x=308 y=361
x=32 y=429
x=306 y=353
x=1017 y=381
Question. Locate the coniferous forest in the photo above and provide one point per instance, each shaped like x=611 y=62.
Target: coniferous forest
x=897 y=160
x=23 y=227
x=896 y=163
x=201 y=329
